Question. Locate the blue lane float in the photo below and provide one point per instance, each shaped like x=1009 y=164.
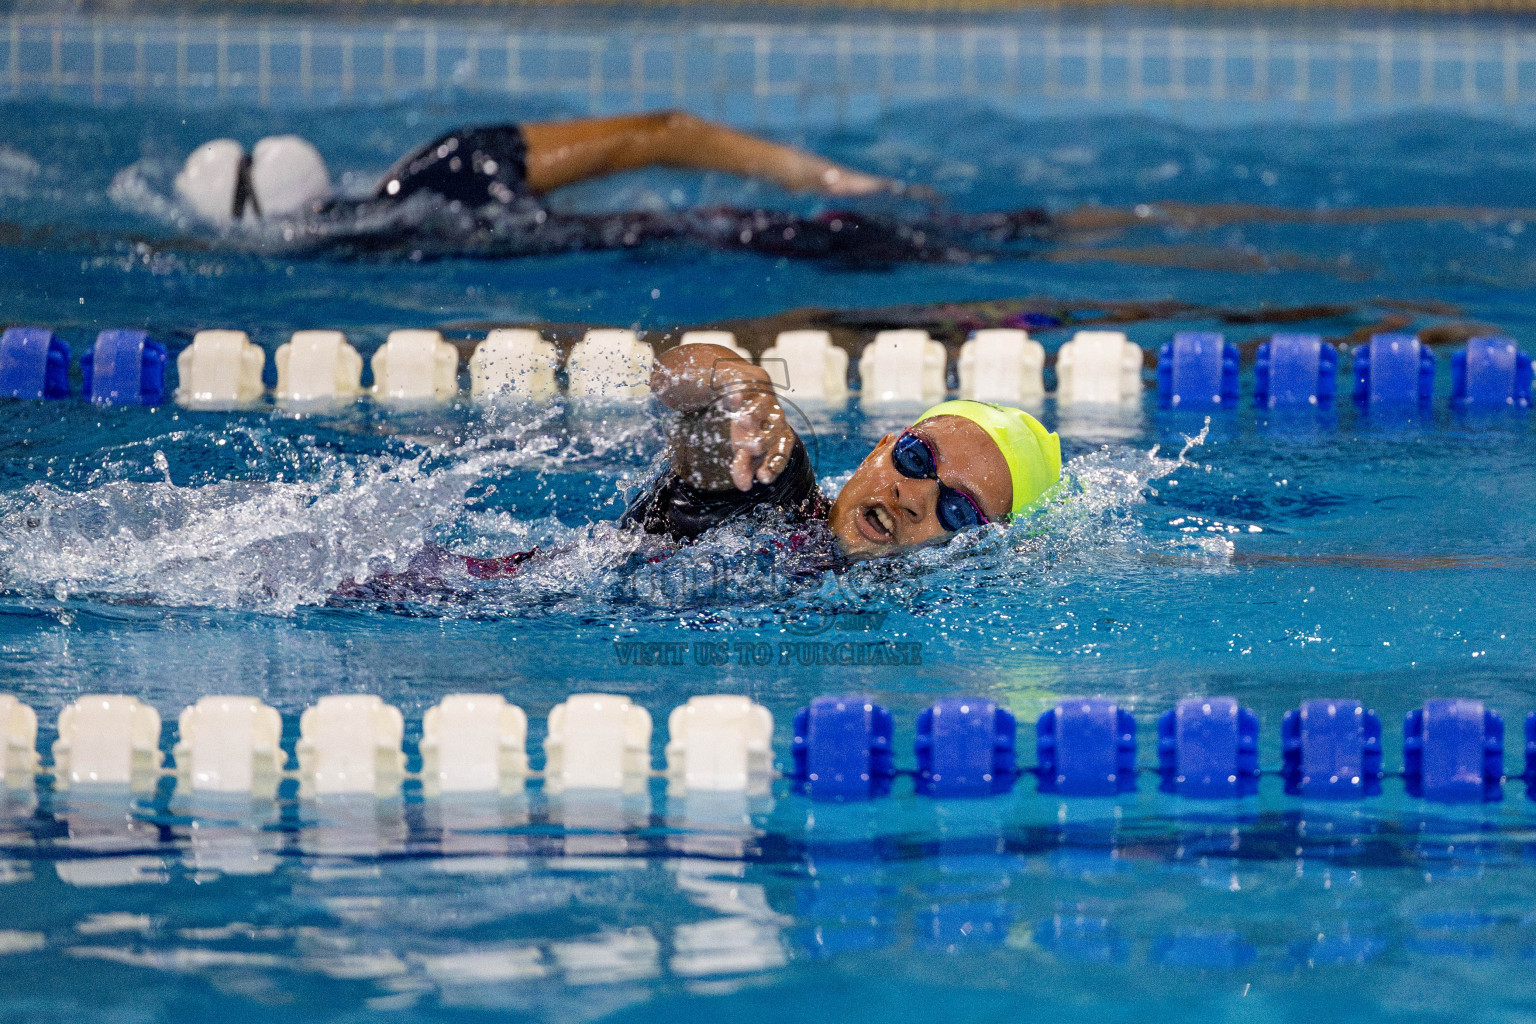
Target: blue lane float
x=1086 y=748
x=1295 y=371
x=1198 y=370
x=34 y=364
x=125 y=367
x=1331 y=749
x=1394 y=371
x=1453 y=752
x=842 y=749
x=965 y=747
x=1530 y=755
x=1208 y=748
x=1491 y=373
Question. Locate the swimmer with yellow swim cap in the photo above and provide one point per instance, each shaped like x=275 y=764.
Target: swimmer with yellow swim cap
x=960 y=465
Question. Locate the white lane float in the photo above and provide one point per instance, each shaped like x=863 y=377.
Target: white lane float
x=317 y=368
x=902 y=366
x=1098 y=368
x=474 y=743
x=609 y=365
x=220 y=370
x=350 y=744
x=1002 y=365
x=597 y=741
x=18 y=744
x=107 y=740
x=230 y=745
x=414 y=368
x=515 y=363
x=721 y=744
x=806 y=366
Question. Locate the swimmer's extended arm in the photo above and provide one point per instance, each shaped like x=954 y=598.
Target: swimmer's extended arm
x=564 y=152
x=733 y=432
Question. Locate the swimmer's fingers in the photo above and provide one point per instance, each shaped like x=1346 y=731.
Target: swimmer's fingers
x=760 y=440
x=774 y=445
x=742 y=463
x=780 y=449
x=749 y=432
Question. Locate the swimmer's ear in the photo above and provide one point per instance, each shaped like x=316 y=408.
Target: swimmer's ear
x=208 y=180
x=288 y=175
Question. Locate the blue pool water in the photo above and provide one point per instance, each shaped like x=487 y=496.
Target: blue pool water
x=170 y=555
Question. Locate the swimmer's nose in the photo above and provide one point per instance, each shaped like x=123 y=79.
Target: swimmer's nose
x=915 y=499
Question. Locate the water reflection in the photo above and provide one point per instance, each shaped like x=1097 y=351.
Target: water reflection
x=350 y=826
x=847 y=904
x=1102 y=423
x=476 y=832
x=573 y=907
x=110 y=843
x=599 y=825
x=231 y=836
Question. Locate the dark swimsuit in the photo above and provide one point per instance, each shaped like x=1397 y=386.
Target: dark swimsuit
x=672 y=507
x=473 y=166
x=669 y=507
x=677 y=509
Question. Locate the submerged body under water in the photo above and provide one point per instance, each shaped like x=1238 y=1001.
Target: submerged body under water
x=1028 y=207
x=427 y=227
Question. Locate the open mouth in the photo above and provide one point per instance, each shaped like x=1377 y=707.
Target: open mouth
x=877 y=524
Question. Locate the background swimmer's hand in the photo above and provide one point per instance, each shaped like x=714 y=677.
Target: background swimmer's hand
x=844 y=181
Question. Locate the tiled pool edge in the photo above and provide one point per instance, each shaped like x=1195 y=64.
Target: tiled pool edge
x=779 y=68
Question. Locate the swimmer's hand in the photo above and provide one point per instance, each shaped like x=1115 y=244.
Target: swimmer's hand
x=844 y=181
x=739 y=435
x=761 y=439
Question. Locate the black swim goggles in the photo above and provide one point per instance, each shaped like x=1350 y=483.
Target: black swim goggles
x=914 y=458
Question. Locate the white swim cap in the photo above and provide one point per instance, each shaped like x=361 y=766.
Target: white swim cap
x=208 y=180
x=287 y=176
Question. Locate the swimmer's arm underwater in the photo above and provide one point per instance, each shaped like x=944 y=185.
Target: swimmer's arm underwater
x=1354 y=560
x=733 y=432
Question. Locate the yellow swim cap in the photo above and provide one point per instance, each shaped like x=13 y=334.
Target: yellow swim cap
x=1033 y=453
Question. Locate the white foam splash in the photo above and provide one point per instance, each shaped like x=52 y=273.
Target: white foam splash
x=278 y=545
x=134 y=189
x=272 y=545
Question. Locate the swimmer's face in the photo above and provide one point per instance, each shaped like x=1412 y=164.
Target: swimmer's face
x=880 y=510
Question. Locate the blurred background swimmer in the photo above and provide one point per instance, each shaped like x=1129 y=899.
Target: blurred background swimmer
x=477 y=191
x=500 y=164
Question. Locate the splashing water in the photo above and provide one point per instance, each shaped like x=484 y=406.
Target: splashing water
x=134 y=536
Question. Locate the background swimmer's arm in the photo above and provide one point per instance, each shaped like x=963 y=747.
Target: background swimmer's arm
x=733 y=431
x=564 y=152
